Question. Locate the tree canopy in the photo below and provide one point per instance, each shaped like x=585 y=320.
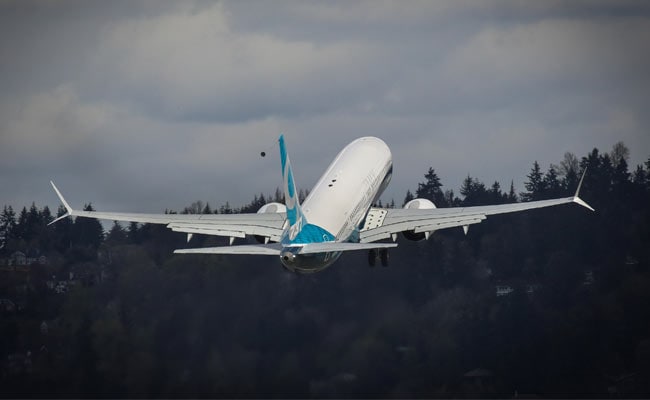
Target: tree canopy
x=551 y=302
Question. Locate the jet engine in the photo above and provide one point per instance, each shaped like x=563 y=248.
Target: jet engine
x=420 y=204
x=269 y=208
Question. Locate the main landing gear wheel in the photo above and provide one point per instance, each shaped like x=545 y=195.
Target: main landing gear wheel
x=372 y=257
x=383 y=255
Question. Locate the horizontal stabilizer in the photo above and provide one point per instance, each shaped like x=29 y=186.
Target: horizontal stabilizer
x=311 y=248
x=275 y=249
x=272 y=249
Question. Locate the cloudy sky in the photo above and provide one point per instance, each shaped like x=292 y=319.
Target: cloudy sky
x=142 y=106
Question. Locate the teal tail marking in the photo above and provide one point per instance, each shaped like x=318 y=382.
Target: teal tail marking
x=300 y=231
x=294 y=213
x=311 y=233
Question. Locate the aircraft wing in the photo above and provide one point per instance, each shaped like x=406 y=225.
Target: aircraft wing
x=388 y=222
x=385 y=223
x=267 y=225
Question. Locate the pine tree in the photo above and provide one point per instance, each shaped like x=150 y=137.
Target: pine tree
x=206 y=209
x=88 y=231
x=46 y=215
x=512 y=195
x=117 y=235
x=225 y=209
x=552 y=185
x=647 y=168
x=473 y=191
x=495 y=193
x=133 y=233
x=408 y=197
x=607 y=169
x=7 y=225
x=535 y=186
x=278 y=197
x=21 y=225
x=34 y=224
x=431 y=189
x=621 y=176
x=63 y=230
x=640 y=176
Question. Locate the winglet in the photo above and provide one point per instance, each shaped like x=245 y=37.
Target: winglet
x=576 y=198
x=65 y=204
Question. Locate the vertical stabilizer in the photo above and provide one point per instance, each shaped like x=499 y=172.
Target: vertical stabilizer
x=291 y=200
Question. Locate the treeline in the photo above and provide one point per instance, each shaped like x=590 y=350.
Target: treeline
x=573 y=321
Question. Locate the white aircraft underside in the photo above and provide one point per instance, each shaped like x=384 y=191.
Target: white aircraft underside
x=335 y=217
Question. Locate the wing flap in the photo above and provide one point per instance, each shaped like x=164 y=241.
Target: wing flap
x=232 y=230
x=419 y=223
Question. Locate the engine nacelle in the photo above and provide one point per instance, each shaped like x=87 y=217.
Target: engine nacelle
x=272 y=208
x=420 y=204
x=269 y=208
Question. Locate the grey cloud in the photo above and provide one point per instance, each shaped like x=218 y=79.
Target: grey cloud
x=192 y=65
x=150 y=105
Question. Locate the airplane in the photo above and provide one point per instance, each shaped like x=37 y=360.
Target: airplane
x=337 y=215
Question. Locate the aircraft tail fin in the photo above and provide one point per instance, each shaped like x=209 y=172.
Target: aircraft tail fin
x=291 y=200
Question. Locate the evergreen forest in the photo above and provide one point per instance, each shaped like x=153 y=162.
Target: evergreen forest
x=545 y=303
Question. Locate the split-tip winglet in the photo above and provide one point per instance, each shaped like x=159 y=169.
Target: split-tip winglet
x=65 y=204
x=576 y=197
x=578 y=200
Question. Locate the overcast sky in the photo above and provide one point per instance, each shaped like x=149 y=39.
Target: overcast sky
x=148 y=105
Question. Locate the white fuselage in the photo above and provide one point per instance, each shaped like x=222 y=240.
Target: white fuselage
x=340 y=200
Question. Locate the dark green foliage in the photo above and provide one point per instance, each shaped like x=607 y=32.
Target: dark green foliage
x=87 y=232
x=409 y=196
x=7 y=226
x=512 y=195
x=535 y=186
x=117 y=235
x=63 y=232
x=431 y=189
x=146 y=323
x=474 y=192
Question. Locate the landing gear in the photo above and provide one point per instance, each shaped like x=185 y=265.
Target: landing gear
x=382 y=254
x=372 y=257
